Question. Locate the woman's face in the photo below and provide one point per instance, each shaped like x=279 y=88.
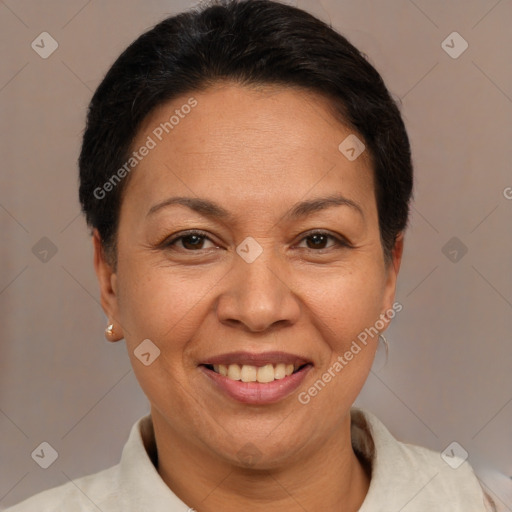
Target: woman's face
x=275 y=272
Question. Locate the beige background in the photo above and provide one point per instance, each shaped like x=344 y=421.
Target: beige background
x=448 y=377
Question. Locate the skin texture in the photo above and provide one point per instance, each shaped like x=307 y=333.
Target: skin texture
x=255 y=152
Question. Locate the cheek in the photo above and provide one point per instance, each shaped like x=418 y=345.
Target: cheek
x=163 y=303
x=158 y=304
x=346 y=302
x=344 y=309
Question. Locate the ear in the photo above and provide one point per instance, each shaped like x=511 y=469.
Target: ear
x=107 y=279
x=392 y=269
x=397 y=252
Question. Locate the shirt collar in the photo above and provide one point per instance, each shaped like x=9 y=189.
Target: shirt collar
x=141 y=487
x=407 y=477
x=398 y=471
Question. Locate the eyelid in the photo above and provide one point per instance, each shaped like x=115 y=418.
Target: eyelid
x=339 y=239
x=171 y=240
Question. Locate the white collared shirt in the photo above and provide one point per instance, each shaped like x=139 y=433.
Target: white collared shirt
x=405 y=478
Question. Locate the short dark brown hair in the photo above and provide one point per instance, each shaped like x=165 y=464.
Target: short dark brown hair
x=249 y=42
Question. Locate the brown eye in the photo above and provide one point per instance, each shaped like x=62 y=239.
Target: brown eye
x=191 y=241
x=319 y=240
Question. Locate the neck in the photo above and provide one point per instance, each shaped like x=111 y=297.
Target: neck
x=328 y=477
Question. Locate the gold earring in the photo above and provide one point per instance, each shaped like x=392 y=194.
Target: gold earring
x=109 y=332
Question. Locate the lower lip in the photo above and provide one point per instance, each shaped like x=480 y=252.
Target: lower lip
x=257 y=392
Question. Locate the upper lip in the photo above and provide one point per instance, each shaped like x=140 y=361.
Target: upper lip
x=255 y=359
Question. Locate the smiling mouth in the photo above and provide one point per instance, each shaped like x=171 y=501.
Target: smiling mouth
x=262 y=374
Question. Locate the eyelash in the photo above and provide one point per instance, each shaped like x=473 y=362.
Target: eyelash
x=340 y=242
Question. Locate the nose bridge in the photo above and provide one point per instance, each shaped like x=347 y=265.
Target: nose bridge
x=257 y=294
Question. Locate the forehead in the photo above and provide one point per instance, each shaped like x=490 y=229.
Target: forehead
x=237 y=142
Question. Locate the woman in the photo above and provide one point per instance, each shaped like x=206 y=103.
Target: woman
x=247 y=179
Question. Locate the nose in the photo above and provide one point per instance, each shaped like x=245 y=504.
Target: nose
x=257 y=295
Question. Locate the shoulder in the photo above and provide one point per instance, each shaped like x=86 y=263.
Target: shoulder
x=95 y=492
x=413 y=478
x=119 y=488
x=449 y=481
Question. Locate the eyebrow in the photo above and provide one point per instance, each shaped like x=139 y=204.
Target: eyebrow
x=213 y=210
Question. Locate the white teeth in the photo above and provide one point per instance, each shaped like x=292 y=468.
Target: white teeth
x=280 y=371
x=234 y=372
x=265 y=373
x=249 y=373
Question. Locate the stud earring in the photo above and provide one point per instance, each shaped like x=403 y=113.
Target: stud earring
x=109 y=332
